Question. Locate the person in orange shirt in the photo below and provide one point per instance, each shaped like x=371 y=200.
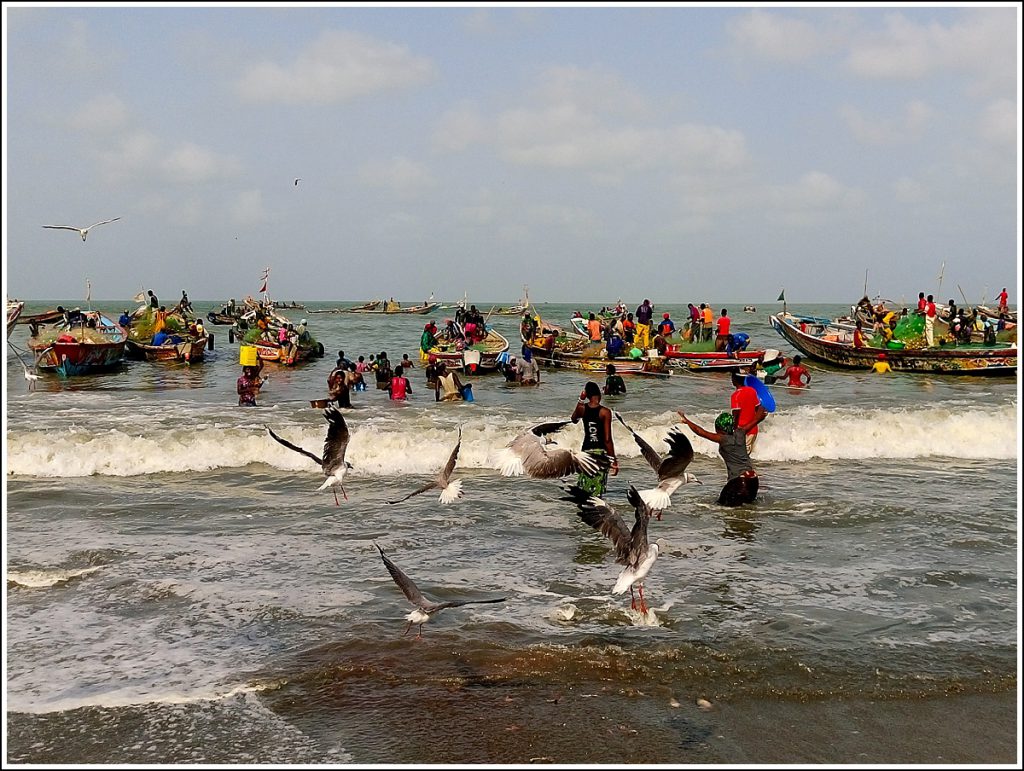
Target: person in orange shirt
x=708 y=316
x=724 y=322
x=594 y=328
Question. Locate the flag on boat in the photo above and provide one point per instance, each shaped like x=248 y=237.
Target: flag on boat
x=140 y=297
x=782 y=296
x=88 y=290
x=266 y=275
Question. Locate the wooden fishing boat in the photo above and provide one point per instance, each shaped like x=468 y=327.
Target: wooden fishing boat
x=394 y=307
x=698 y=360
x=84 y=343
x=833 y=344
x=46 y=317
x=186 y=341
x=481 y=356
x=14 y=309
x=370 y=306
x=278 y=354
x=588 y=362
x=221 y=319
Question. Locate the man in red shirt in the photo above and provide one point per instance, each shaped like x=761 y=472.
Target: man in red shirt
x=929 y=321
x=796 y=372
x=746 y=407
x=921 y=302
x=724 y=322
x=1003 y=298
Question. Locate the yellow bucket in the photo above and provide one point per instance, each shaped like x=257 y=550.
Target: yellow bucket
x=247 y=356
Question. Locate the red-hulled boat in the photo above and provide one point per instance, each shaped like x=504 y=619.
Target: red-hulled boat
x=82 y=343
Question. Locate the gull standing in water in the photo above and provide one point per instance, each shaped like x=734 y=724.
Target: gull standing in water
x=671 y=469
x=529 y=453
x=632 y=549
x=451 y=489
x=83 y=232
x=422 y=607
x=333 y=463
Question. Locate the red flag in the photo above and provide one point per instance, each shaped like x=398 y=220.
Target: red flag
x=264 y=289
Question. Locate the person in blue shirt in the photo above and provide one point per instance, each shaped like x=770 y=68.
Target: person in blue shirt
x=667 y=326
x=737 y=342
x=616 y=345
x=125 y=319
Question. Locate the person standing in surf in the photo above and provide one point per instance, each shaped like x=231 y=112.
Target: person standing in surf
x=742 y=484
x=597 y=438
x=747 y=409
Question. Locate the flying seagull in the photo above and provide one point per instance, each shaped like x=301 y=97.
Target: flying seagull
x=451 y=489
x=297 y=181
x=422 y=607
x=671 y=469
x=529 y=453
x=333 y=463
x=83 y=232
x=632 y=549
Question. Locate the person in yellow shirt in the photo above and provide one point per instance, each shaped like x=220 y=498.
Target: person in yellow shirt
x=709 y=318
x=881 y=366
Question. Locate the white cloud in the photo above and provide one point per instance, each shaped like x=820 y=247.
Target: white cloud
x=887 y=131
x=247 y=208
x=337 y=67
x=594 y=89
x=403 y=176
x=102 y=114
x=812 y=198
x=907 y=190
x=999 y=123
x=980 y=43
x=190 y=163
x=459 y=128
x=774 y=37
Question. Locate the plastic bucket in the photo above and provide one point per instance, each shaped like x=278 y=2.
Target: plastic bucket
x=247 y=356
x=467 y=392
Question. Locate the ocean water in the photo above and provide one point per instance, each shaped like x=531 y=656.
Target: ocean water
x=178 y=591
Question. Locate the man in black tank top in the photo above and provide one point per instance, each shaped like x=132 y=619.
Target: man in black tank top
x=597 y=438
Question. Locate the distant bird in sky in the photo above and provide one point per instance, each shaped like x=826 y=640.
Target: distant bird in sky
x=422 y=607
x=83 y=232
x=451 y=489
x=671 y=469
x=333 y=463
x=632 y=549
x=297 y=181
x=529 y=453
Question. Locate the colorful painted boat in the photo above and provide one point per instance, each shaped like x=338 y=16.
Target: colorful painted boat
x=14 y=309
x=187 y=342
x=273 y=352
x=190 y=350
x=86 y=343
x=824 y=341
x=482 y=356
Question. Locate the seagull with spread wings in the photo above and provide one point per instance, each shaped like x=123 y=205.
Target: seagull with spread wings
x=534 y=454
x=632 y=549
x=422 y=607
x=333 y=463
x=671 y=469
x=451 y=489
x=83 y=232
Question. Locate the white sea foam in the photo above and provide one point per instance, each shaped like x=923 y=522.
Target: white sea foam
x=37 y=579
x=386 y=448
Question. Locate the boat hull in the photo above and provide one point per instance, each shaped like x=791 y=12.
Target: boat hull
x=188 y=351
x=273 y=352
x=953 y=360
x=479 y=358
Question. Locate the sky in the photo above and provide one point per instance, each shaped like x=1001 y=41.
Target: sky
x=682 y=153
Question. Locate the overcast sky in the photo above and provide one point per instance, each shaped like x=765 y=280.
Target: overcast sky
x=677 y=153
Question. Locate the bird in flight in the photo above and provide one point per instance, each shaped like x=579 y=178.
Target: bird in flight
x=632 y=550
x=333 y=463
x=422 y=607
x=451 y=489
x=297 y=181
x=671 y=469
x=529 y=453
x=83 y=232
